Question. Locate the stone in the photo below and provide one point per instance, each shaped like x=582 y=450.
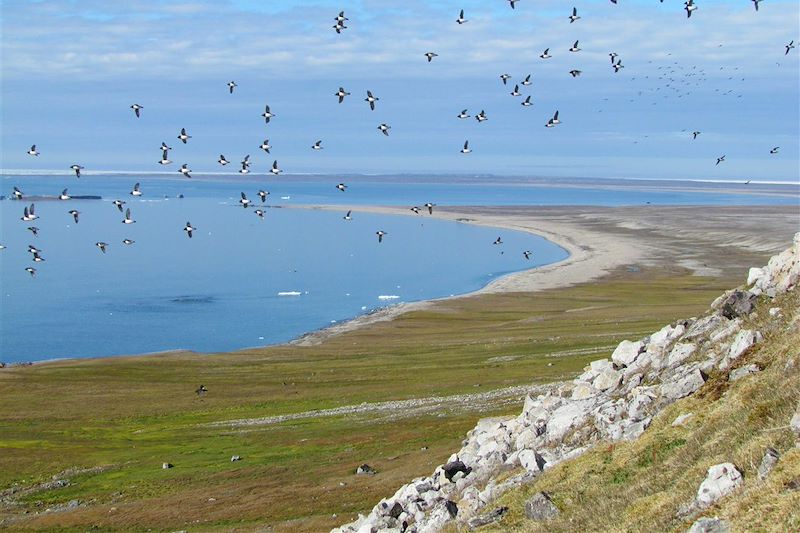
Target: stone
x=743 y=371
x=540 y=507
x=451 y=507
x=627 y=352
x=684 y=386
x=488 y=518
x=743 y=341
x=608 y=380
x=235 y=458
x=680 y=353
x=365 y=469
x=726 y=329
x=794 y=423
x=565 y=418
x=681 y=420
x=709 y=525
x=166 y=465
x=635 y=430
x=664 y=336
x=702 y=326
x=738 y=303
x=531 y=461
x=582 y=391
x=770 y=459
x=454 y=467
x=396 y=510
x=775 y=312
x=721 y=480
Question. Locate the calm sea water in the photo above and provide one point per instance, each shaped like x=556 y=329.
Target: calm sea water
x=242 y=281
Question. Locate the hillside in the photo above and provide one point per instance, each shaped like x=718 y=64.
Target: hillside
x=697 y=420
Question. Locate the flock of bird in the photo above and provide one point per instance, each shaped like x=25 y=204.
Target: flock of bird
x=670 y=74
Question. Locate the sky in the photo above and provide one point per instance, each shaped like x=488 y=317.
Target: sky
x=71 y=69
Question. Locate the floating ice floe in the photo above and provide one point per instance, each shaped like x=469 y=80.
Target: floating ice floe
x=289 y=293
x=388 y=297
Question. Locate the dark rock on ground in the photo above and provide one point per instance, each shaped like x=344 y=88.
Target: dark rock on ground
x=452 y=468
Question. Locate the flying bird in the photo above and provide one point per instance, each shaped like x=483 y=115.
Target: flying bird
x=102 y=246
x=720 y=159
x=245 y=165
x=527 y=80
x=553 y=121
x=755 y=4
x=498 y=240
x=789 y=47
x=275 y=170
x=480 y=117
x=127 y=242
x=463 y=114
x=430 y=207
x=244 y=201
x=185 y=170
x=461 y=19
x=575 y=73
x=119 y=204
x=74 y=214
x=128 y=219
x=574 y=16
x=77 y=169
x=466 y=148
x=164 y=159
x=137 y=109
x=33 y=150
x=222 y=161
x=415 y=209
x=380 y=235
x=184 y=136
x=33 y=250
x=348 y=216
x=164 y=147
x=28 y=214
x=512 y=2
x=317 y=145
x=37 y=258
x=618 y=66
x=263 y=195
x=545 y=54
x=265 y=145
x=575 y=47
x=231 y=86
x=267 y=114
x=341 y=187
x=505 y=78
x=17 y=193
x=31 y=271
x=341 y=93
x=189 y=229
x=371 y=100
x=259 y=213
x=384 y=128
x=431 y=55
x=527 y=254
x=695 y=134
x=774 y=150
x=340 y=17
x=34 y=230
x=135 y=191
x=527 y=102
x=64 y=195
x=689 y=7
x=516 y=92
x=339 y=27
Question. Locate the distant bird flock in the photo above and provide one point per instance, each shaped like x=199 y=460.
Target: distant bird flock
x=29 y=213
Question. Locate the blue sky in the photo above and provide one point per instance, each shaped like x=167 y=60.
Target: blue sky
x=71 y=69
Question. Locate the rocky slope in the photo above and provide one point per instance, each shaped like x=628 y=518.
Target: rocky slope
x=612 y=401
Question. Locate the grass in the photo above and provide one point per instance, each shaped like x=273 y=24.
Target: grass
x=131 y=414
x=641 y=485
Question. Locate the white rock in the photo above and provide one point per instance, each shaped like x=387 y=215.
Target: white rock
x=683 y=386
x=567 y=417
x=642 y=399
x=743 y=341
x=709 y=525
x=627 y=352
x=607 y=380
x=754 y=275
x=583 y=391
x=665 y=335
x=721 y=480
x=775 y=312
x=531 y=461
x=743 y=371
x=726 y=330
x=634 y=431
x=794 y=423
x=681 y=420
x=681 y=352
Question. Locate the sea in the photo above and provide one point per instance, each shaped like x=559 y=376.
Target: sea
x=242 y=280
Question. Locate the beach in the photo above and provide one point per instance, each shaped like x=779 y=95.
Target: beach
x=707 y=241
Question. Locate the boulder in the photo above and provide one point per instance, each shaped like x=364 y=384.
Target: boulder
x=634 y=431
x=743 y=341
x=738 y=303
x=166 y=465
x=607 y=380
x=540 y=507
x=627 y=352
x=488 y=518
x=664 y=336
x=743 y=371
x=709 y=525
x=531 y=461
x=769 y=460
x=235 y=458
x=701 y=327
x=567 y=417
x=680 y=353
x=721 y=480
x=581 y=391
x=683 y=386
x=454 y=467
x=451 y=507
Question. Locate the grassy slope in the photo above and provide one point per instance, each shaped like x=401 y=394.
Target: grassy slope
x=640 y=486
x=134 y=413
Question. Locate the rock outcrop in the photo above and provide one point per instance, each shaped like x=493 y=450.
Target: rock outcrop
x=612 y=400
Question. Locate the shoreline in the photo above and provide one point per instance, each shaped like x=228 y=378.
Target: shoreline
x=599 y=240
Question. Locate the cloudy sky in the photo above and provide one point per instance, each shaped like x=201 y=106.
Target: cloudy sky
x=72 y=68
